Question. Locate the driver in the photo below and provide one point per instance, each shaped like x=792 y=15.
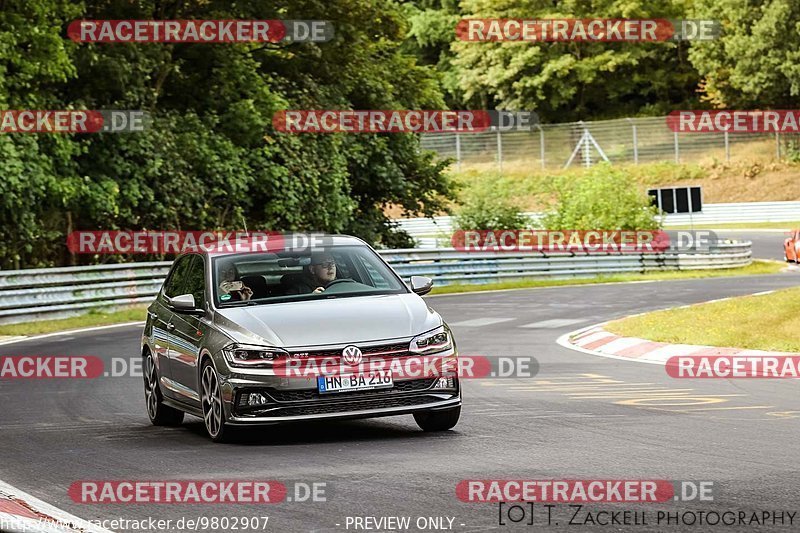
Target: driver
x=321 y=272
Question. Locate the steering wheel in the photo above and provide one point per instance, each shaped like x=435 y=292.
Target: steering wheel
x=338 y=281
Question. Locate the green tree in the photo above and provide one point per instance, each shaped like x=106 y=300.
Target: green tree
x=211 y=158
x=37 y=180
x=564 y=81
x=756 y=61
x=430 y=35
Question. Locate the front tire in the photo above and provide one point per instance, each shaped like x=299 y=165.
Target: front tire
x=160 y=414
x=211 y=398
x=438 y=420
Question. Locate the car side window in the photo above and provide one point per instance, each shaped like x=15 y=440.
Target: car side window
x=177 y=279
x=196 y=281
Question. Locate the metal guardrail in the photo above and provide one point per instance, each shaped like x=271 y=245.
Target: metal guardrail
x=739 y=212
x=447 y=265
x=39 y=294
x=432 y=232
x=50 y=293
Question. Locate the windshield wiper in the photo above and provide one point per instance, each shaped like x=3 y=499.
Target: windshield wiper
x=241 y=303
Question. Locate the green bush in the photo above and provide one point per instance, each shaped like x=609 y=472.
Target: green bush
x=605 y=198
x=489 y=209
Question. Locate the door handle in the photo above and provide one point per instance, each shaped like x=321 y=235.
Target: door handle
x=170 y=326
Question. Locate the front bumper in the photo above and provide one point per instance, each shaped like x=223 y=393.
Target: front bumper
x=294 y=405
x=292 y=399
x=351 y=411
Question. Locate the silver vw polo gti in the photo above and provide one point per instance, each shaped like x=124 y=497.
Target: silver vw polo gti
x=226 y=326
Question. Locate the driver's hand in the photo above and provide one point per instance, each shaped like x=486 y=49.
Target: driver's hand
x=246 y=293
x=319 y=290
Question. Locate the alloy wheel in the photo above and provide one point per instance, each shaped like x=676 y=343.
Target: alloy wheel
x=212 y=403
x=151 y=387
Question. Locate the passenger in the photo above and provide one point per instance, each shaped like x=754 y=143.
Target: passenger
x=229 y=286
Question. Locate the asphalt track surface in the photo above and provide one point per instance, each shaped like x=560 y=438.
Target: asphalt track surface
x=581 y=417
x=767 y=244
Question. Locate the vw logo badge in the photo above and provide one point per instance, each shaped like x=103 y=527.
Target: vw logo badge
x=352 y=355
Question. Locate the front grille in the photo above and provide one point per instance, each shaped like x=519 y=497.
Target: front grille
x=394 y=350
x=321 y=408
x=305 y=395
x=313 y=394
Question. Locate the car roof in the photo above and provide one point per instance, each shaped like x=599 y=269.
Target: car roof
x=240 y=246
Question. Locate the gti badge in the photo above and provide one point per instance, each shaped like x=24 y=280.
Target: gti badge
x=352 y=355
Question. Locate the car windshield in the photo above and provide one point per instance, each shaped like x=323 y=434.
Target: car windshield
x=262 y=278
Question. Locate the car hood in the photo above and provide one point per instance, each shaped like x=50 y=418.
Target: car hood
x=330 y=321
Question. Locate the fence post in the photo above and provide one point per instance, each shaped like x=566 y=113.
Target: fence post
x=727 y=148
x=541 y=144
x=635 y=143
x=585 y=152
x=778 y=144
x=499 y=151
x=677 y=148
x=458 y=152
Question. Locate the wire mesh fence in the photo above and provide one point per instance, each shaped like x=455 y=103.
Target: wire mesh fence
x=627 y=140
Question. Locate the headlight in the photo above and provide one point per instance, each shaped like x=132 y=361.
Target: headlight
x=435 y=341
x=246 y=356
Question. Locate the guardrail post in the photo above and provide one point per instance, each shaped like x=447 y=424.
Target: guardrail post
x=499 y=151
x=727 y=148
x=677 y=148
x=458 y=152
x=541 y=144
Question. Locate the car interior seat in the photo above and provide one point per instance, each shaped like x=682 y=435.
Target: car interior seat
x=258 y=285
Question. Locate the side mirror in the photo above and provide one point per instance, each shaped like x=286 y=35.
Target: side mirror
x=184 y=303
x=421 y=285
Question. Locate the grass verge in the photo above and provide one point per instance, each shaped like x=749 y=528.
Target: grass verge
x=94 y=318
x=755 y=177
x=756 y=267
x=764 y=322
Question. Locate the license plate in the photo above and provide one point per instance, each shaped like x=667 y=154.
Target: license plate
x=350 y=382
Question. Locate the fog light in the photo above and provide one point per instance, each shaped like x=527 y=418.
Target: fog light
x=445 y=383
x=256 y=398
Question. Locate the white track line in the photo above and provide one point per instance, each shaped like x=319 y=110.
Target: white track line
x=68 y=332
